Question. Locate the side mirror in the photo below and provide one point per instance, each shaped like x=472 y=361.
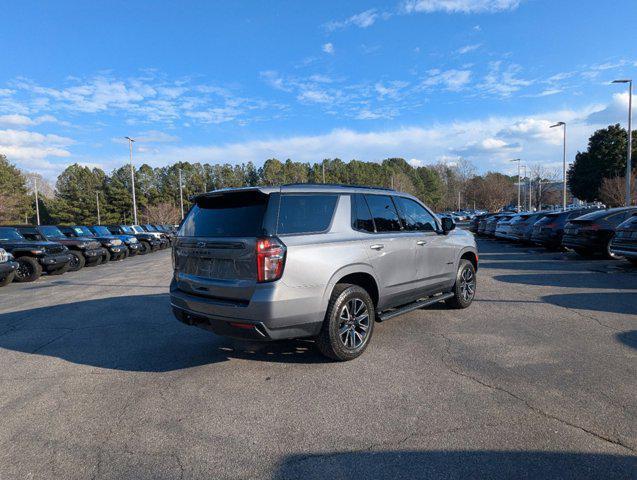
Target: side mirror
x=447 y=224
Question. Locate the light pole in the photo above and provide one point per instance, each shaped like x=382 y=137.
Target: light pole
x=563 y=124
x=132 y=178
x=97 y=202
x=524 y=200
x=181 y=196
x=519 y=181
x=630 y=138
x=37 y=206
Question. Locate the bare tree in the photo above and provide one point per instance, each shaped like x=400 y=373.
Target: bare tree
x=45 y=189
x=543 y=181
x=163 y=214
x=495 y=191
x=613 y=191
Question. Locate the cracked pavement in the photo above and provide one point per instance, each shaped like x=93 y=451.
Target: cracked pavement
x=537 y=379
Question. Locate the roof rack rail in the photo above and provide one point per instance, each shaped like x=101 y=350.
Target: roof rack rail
x=336 y=185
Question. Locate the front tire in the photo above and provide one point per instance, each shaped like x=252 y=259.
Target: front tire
x=348 y=324
x=7 y=279
x=465 y=287
x=77 y=261
x=107 y=256
x=29 y=270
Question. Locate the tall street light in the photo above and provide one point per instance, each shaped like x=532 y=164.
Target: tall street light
x=132 y=178
x=519 y=181
x=181 y=196
x=563 y=124
x=630 y=137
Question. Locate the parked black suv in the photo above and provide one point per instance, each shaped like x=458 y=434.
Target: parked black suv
x=8 y=267
x=548 y=231
x=149 y=243
x=34 y=256
x=83 y=250
x=624 y=244
x=132 y=244
x=114 y=248
x=592 y=233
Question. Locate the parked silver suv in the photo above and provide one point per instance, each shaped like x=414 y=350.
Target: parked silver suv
x=318 y=261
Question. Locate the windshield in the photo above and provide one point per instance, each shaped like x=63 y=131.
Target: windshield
x=10 y=234
x=52 y=232
x=101 y=230
x=150 y=228
x=83 y=231
x=138 y=229
x=127 y=229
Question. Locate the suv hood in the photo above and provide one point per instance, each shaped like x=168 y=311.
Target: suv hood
x=76 y=241
x=28 y=244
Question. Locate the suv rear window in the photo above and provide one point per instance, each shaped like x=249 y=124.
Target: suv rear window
x=236 y=214
x=305 y=213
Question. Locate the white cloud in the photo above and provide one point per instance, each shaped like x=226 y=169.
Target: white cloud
x=459 y=6
x=362 y=20
x=452 y=79
x=468 y=48
x=31 y=150
x=503 y=81
x=328 y=48
x=16 y=120
x=314 y=96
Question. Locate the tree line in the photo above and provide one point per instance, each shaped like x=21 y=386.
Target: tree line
x=597 y=174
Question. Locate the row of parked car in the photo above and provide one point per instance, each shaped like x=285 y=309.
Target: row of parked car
x=609 y=232
x=27 y=251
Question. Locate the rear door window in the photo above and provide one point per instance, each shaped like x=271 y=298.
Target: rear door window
x=237 y=214
x=311 y=213
x=415 y=216
x=384 y=213
x=361 y=216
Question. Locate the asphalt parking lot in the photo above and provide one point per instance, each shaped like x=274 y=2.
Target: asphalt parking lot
x=537 y=379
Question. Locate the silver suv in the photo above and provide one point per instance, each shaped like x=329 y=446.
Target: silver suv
x=318 y=261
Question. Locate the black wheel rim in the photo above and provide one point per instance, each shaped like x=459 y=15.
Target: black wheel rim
x=467 y=284
x=24 y=270
x=353 y=327
x=75 y=261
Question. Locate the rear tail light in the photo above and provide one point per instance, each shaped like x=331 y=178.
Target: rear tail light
x=270 y=259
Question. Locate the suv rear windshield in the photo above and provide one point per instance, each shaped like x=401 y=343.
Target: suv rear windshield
x=234 y=214
x=305 y=213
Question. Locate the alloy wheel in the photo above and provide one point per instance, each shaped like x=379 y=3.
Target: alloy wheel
x=467 y=284
x=354 y=323
x=23 y=271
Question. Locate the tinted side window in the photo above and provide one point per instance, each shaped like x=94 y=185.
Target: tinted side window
x=361 y=216
x=616 y=219
x=415 y=217
x=384 y=213
x=305 y=213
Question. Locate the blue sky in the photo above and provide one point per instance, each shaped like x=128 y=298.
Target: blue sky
x=427 y=80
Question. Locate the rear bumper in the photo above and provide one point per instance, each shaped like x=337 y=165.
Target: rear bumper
x=573 y=241
x=624 y=248
x=274 y=312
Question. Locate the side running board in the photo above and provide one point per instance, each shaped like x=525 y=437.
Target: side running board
x=413 y=306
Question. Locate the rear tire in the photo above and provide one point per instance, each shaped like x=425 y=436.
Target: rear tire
x=464 y=289
x=348 y=324
x=29 y=270
x=77 y=261
x=7 y=279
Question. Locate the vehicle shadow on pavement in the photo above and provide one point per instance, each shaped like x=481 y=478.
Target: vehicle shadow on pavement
x=569 y=280
x=535 y=465
x=628 y=338
x=134 y=333
x=599 y=302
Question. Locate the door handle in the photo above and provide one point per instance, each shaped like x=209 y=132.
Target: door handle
x=421 y=242
x=377 y=246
